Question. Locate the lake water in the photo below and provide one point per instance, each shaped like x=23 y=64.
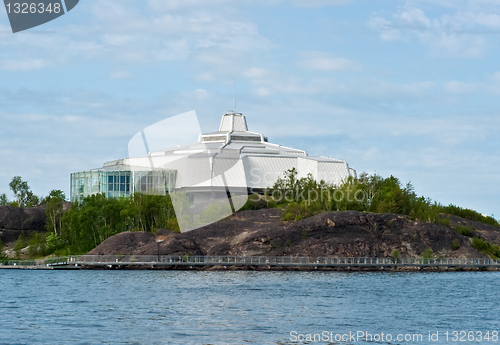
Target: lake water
x=176 y=307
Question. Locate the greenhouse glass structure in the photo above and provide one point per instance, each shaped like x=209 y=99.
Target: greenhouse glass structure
x=118 y=183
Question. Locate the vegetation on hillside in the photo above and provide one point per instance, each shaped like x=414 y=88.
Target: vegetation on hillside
x=304 y=197
x=85 y=225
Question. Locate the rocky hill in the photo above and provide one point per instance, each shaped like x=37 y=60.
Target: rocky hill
x=349 y=233
x=14 y=220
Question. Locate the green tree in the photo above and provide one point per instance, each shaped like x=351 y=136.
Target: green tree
x=86 y=225
x=23 y=194
x=54 y=210
x=3 y=200
x=55 y=194
x=31 y=199
x=20 y=189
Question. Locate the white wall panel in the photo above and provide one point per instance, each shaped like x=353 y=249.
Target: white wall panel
x=332 y=172
x=233 y=170
x=262 y=172
x=307 y=166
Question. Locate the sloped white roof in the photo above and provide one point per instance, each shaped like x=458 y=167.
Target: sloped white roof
x=233 y=143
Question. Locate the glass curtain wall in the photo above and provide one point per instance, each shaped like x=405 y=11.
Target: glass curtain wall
x=115 y=184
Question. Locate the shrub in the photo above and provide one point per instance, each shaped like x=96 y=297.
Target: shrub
x=54 y=242
x=395 y=254
x=445 y=221
x=288 y=216
x=463 y=230
x=485 y=247
x=173 y=225
x=21 y=243
x=455 y=244
x=480 y=244
x=256 y=202
x=427 y=254
x=37 y=244
x=469 y=214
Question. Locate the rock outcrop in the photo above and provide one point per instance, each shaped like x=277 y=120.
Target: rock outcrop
x=349 y=234
x=14 y=220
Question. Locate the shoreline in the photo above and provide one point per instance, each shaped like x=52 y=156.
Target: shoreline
x=249 y=268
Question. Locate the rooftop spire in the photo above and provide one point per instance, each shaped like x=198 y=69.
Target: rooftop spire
x=233 y=122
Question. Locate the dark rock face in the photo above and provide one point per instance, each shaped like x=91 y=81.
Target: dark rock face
x=349 y=233
x=14 y=220
x=19 y=218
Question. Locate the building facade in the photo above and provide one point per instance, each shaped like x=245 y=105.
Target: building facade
x=232 y=159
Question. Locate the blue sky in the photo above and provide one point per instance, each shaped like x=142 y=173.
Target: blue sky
x=408 y=88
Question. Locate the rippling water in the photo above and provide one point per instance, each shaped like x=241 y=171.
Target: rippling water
x=176 y=307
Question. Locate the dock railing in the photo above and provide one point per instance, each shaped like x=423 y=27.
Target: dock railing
x=279 y=261
x=230 y=260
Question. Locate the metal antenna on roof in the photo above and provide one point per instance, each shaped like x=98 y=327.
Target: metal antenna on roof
x=234 y=88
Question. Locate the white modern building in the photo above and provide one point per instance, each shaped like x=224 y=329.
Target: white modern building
x=231 y=159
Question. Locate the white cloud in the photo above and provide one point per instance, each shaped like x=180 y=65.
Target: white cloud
x=162 y=5
x=384 y=90
x=494 y=86
x=139 y=35
x=454 y=44
x=495 y=77
x=180 y=5
x=120 y=74
x=413 y=17
x=205 y=77
x=384 y=27
x=326 y=62
x=320 y=3
x=267 y=82
x=457 y=34
x=22 y=64
x=459 y=87
x=256 y=73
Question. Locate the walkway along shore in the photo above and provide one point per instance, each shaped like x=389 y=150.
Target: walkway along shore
x=168 y=262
